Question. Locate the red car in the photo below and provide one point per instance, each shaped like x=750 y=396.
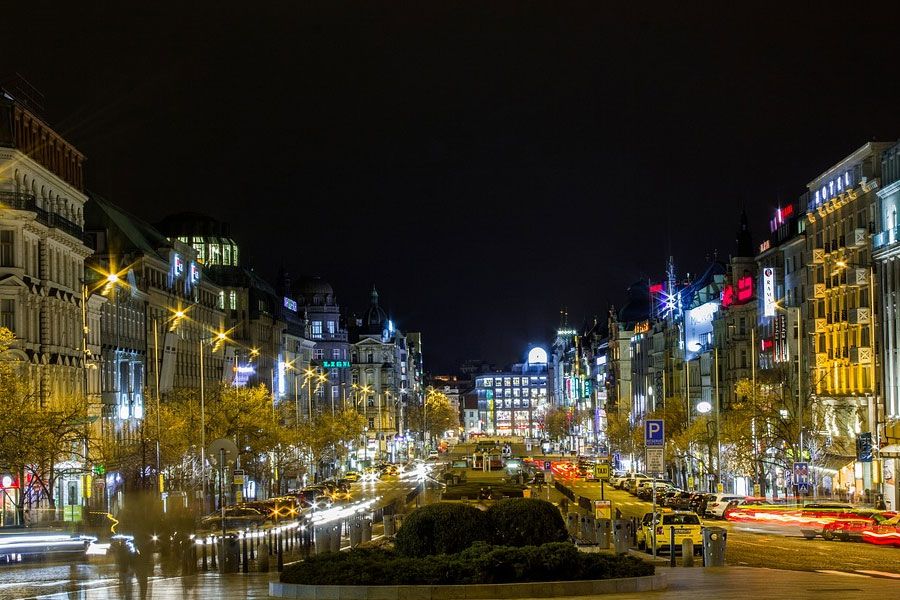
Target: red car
x=853 y=526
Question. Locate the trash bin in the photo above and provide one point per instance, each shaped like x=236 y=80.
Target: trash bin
x=355 y=533
x=366 y=530
x=323 y=539
x=604 y=533
x=335 y=538
x=231 y=555
x=714 y=546
x=620 y=536
x=588 y=530
x=572 y=524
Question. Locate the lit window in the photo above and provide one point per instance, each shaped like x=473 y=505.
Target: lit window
x=330 y=327
x=201 y=252
x=226 y=254
x=847 y=178
x=336 y=353
x=824 y=192
x=232 y=300
x=840 y=185
x=831 y=187
x=318 y=354
x=817 y=197
x=215 y=253
x=317 y=329
x=222 y=299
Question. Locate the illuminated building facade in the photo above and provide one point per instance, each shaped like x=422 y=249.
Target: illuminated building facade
x=513 y=402
x=326 y=329
x=42 y=251
x=842 y=216
x=886 y=252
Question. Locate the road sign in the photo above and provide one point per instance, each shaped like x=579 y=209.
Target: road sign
x=655 y=462
x=546 y=465
x=238 y=477
x=601 y=471
x=603 y=509
x=654 y=432
x=803 y=488
x=801 y=473
x=231 y=451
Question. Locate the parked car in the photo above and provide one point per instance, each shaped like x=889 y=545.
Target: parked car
x=632 y=482
x=686 y=525
x=715 y=506
x=645 y=492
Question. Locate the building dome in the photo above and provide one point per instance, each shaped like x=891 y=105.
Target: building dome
x=315 y=291
x=375 y=319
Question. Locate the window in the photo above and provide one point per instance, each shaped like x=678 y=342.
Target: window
x=330 y=327
x=232 y=300
x=336 y=353
x=226 y=254
x=318 y=354
x=334 y=392
x=222 y=299
x=8 y=314
x=201 y=252
x=371 y=422
x=317 y=329
x=6 y=248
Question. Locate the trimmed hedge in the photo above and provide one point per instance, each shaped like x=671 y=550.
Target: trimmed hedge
x=525 y=522
x=479 y=564
x=442 y=528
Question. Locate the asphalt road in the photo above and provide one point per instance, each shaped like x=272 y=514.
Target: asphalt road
x=781 y=548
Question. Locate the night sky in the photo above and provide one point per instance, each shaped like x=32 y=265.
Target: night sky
x=484 y=164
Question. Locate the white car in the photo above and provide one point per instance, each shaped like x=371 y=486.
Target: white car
x=716 y=505
x=632 y=482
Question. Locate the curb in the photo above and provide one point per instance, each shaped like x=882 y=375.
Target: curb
x=543 y=589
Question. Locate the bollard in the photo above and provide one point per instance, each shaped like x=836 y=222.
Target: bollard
x=714 y=539
x=672 y=546
x=687 y=552
x=388 y=525
x=280 y=537
x=245 y=567
x=213 y=554
x=263 y=563
x=230 y=555
x=604 y=533
x=620 y=538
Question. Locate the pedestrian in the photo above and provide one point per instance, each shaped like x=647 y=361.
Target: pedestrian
x=618 y=513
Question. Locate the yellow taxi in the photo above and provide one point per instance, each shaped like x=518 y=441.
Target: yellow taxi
x=686 y=525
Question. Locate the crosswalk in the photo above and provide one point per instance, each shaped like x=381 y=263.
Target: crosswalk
x=861 y=573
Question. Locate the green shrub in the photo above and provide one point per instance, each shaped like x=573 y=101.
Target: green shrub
x=441 y=528
x=525 y=522
x=481 y=563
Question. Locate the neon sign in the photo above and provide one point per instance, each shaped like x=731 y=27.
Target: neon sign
x=744 y=289
x=769 y=292
x=335 y=364
x=289 y=304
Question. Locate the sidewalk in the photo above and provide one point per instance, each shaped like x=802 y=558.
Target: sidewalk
x=694 y=584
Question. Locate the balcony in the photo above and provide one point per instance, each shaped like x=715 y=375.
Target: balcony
x=861 y=355
x=857 y=277
x=886 y=237
x=818 y=256
x=859 y=316
x=858 y=238
x=821 y=359
x=819 y=290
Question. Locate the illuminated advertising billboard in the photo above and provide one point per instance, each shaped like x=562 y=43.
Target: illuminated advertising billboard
x=698 y=327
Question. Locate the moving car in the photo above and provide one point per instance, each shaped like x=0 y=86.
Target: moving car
x=853 y=526
x=352 y=476
x=716 y=505
x=236 y=517
x=884 y=534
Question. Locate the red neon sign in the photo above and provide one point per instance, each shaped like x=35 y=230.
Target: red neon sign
x=656 y=288
x=744 y=289
x=766 y=345
x=727 y=296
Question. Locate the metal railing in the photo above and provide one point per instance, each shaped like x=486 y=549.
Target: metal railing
x=20 y=201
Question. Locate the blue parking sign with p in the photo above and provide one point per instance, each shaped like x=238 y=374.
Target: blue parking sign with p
x=654 y=432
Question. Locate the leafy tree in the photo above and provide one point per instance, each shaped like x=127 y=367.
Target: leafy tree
x=436 y=415
x=36 y=438
x=557 y=423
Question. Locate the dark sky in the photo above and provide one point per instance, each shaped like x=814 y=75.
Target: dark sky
x=484 y=163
